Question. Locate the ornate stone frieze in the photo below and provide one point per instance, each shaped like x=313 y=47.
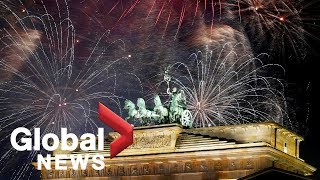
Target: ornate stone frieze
x=156 y=168
x=156 y=139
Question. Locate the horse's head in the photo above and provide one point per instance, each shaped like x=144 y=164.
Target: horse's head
x=157 y=100
x=181 y=98
x=141 y=103
x=128 y=104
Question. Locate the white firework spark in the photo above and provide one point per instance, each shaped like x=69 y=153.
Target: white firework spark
x=230 y=89
x=43 y=87
x=274 y=25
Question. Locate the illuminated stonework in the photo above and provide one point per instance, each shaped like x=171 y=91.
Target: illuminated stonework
x=222 y=152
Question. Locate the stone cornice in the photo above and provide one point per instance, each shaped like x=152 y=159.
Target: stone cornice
x=228 y=151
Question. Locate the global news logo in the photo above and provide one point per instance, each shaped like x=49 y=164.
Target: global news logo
x=70 y=142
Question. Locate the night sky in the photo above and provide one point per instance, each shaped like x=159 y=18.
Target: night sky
x=59 y=58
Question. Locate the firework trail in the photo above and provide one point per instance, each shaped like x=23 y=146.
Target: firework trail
x=169 y=13
x=274 y=27
x=230 y=90
x=41 y=85
x=152 y=50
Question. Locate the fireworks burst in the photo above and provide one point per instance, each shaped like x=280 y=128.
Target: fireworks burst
x=166 y=13
x=43 y=87
x=275 y=25
x=230 y=90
